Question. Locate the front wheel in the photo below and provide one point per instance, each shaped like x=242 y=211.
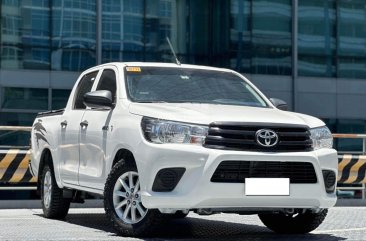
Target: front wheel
x=122 y=202
x=53 y=204
x=297 y=223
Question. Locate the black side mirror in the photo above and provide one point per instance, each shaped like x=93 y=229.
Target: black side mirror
x=98 y=99
x=280 y=104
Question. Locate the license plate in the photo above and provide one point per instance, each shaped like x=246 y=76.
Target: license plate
x=267 y=186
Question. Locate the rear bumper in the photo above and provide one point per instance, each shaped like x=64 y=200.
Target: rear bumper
x=195 y=190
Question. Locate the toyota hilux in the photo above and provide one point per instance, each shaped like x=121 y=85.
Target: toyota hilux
x=158 y=140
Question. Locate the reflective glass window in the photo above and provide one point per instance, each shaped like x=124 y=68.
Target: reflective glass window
x=352 y=39
x=356 y=126
x=271 y=37
x=15 y=138
x=59 y=98
x=161 y=22
x=136 y=30
x=17 y=119
x=317 y=38
x=25 y=98
x=203 y=36
x=25 y=36
x=73 y=34
x=122 y=30
x=260 y=36
x=240 y=35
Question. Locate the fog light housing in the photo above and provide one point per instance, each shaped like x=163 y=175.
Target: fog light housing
x=167 y=179
x=329 y=180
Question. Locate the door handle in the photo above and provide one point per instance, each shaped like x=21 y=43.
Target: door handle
x=63 y=124
x=84 y=124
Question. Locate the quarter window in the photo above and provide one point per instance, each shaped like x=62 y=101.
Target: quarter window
x=108 y=82
x=85 y=86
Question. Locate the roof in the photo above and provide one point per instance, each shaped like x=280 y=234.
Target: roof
x=157 y=64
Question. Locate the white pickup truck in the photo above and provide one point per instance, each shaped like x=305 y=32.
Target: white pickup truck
x=158 y=140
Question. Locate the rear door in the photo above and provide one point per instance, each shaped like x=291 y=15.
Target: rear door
x=94 y=137
x=70 y=130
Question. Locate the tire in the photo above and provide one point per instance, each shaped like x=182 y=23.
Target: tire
x=53 y=204
x=298 y=223
x=144 y=220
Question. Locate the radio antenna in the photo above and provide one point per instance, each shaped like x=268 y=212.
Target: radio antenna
x=172 y=49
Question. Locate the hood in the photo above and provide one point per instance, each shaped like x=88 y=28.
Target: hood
x=206 y=113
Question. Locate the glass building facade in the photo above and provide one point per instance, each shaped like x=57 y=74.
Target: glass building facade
x=300 y=41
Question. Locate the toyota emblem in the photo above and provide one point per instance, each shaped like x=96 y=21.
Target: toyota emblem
x=266 y=137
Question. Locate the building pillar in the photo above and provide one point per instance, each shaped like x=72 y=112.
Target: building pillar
x=294 y=54
x=98 y=43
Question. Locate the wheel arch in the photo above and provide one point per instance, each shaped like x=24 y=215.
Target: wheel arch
x=46 y=159
x=126 y=155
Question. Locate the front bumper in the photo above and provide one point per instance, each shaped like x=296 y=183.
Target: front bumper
x=195 y=190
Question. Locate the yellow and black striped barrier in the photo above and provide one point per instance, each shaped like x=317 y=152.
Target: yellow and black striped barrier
x=14 y=166
x=351 y=169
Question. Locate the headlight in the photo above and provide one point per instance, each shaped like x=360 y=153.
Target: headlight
x=321 y=137
x=163 y=131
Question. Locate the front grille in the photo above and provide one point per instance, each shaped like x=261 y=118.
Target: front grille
x=241 y=137
x=237 y=171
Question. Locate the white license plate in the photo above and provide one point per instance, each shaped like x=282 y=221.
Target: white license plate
x=267 y=186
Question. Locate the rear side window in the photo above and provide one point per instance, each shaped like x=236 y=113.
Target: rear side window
x=108 y=82
x=85 y=85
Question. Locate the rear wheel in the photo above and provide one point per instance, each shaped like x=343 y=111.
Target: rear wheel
x=53 y=204
x=122 y=202
x=296 y=223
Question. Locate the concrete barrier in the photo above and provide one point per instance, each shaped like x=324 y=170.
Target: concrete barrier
x=14 y=166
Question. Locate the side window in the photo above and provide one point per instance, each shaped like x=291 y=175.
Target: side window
x=85 y=86
x=108 y=82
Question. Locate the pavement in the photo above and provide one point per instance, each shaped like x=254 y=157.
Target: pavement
x=342 y=223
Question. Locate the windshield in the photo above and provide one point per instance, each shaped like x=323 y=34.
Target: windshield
x=180 y=85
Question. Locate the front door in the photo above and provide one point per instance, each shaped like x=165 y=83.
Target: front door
x=95 y=136
x=93 y=148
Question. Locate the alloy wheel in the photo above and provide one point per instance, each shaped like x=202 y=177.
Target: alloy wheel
x=47 y=189
x=127 y=199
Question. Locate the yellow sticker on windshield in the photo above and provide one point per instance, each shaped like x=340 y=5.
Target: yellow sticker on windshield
x=133 y=69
